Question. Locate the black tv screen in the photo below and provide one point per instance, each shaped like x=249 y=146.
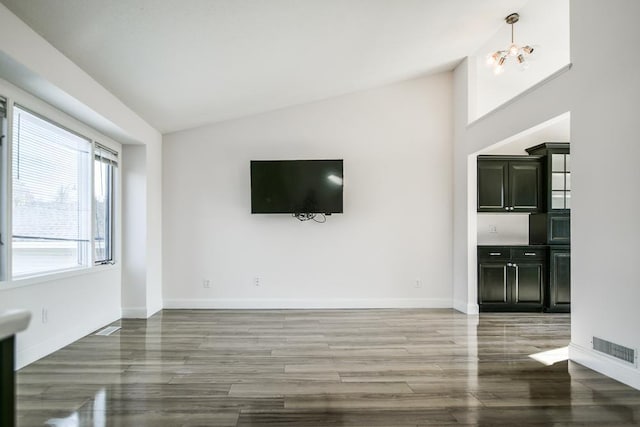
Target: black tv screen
x=296 y=186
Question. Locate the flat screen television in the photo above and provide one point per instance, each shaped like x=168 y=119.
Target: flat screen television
x=296 y=186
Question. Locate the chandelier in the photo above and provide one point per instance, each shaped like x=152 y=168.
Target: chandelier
x=498 y=58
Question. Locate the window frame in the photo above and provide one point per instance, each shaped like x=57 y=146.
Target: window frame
x=5 y=193
x=112 y=167
x=15 y=98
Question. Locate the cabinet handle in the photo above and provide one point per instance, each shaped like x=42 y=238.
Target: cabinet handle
x=495 y=253
x=506 y=208
x=511 y=208
x=530 y=253
x=517 y=282
x=509 y=264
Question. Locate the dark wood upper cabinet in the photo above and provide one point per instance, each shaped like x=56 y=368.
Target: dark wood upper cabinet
x=493 y=176
x=509 y=184
x=556 y=163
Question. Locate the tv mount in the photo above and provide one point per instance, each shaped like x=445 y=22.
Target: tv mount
x=307 y=216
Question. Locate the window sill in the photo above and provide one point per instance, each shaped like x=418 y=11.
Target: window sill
x=59 y=275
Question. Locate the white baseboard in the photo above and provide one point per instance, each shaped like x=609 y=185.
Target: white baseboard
x=465 y=308
x=278 y=303
x=29 y=355
x=606 y=365
x=134 y=313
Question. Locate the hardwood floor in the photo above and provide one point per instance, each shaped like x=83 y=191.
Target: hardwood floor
x=404 y=367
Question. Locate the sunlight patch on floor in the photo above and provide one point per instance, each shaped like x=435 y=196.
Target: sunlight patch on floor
x=550 y=357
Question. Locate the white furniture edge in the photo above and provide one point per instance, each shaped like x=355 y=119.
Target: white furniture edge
x=13 y=321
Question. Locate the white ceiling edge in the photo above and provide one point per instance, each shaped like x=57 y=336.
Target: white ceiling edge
x=25 y=79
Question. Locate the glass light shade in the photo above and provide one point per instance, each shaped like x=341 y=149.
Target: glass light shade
x=522 y=62
x=493 y=58
x=514 y=49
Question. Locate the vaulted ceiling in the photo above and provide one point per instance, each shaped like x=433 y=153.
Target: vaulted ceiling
x=184 y=63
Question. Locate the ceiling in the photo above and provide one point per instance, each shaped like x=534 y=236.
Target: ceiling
x=184 y=63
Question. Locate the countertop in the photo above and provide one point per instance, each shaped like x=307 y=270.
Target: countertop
x=527 y=246
x=13 y=321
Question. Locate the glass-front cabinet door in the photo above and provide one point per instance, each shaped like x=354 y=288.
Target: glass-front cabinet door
x=558 y=174
x=560 y=181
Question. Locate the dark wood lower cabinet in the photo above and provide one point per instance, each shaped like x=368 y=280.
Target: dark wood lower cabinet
x=511 y=278
x=559 y=296
x=7 y=382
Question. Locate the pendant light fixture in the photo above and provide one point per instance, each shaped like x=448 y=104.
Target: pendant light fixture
x=498 y=58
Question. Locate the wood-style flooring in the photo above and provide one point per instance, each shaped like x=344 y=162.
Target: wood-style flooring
x=400 y=367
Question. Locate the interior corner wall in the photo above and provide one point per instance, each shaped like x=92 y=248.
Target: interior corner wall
x=605 y=177
x=153 y=222
x=463 y=94
x=396 y=142
x=134 y=231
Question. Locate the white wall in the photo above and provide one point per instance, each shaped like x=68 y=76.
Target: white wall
x=602 y=98
x=153 y=223
x=142 y=268
x=544 y=24
x=396 y=143
x=503 y=229
x=134 y=233
x=605 y=177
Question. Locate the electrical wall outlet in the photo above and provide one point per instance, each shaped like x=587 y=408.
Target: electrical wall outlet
x=206 y=283
x=493 y=229
x=45 y=315
x=256 y=281
x=418 y=283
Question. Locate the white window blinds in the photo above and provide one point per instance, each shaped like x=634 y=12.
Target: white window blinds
x=51 y=196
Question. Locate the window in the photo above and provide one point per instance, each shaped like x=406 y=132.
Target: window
x=51 y=196
x=3 y=188
x=104 y=166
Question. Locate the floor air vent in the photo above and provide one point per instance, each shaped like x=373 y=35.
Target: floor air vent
x=108 y=330
x=615 y=350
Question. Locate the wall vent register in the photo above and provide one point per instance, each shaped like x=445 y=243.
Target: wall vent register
x=618 y=351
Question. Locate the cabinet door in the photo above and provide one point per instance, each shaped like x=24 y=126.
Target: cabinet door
x=527 y=288
x=559 y=229
x=559 y=181
x=560 y=280
x=492 y=181
x=525 y=186
x=493 y=283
